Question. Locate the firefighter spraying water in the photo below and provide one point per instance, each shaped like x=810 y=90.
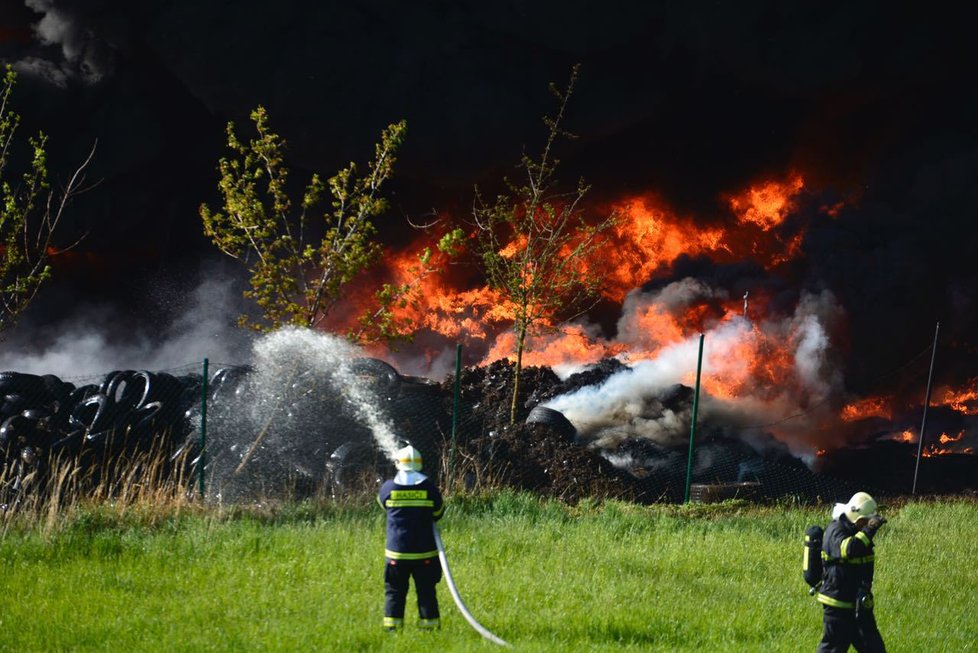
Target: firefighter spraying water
x=414 y=547
x=413 y=505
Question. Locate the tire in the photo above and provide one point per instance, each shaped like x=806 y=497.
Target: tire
x=375 y=374
x=20 y=383
x=128 y=390
x=109 y=380
x=35 y=414
x=554 y=419
x=347 y=459
x=56 y=389
x=224 y=385
x=13 y=404
x=92 y=414
x=81 y=393
x=13 y=429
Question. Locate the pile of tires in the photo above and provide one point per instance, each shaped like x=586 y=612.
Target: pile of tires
x=306 y=433
x=263 y=436
x=44 y=418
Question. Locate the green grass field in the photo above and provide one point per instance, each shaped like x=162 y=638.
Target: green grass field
x=542 y=575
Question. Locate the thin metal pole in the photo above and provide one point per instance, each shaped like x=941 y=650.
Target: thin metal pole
x=458 y=384
x=203 y=432
x=923 y=423
x=692 y=422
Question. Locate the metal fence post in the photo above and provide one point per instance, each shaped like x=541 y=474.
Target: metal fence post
x=201 y=460
x=923 y=421
x=692 y=423
x=458 y=383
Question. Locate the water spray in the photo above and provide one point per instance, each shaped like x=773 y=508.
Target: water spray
x=482 y=630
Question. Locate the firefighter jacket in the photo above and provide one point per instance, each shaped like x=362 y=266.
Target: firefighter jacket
x=847 y=561
x=413 y=503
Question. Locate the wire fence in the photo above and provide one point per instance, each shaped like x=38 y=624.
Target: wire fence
x=231 y=433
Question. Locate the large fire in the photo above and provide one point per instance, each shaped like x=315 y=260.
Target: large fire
x=767 y=204
x=758 y=353
x=867 y=407
x=943 y=445
x=647 y=239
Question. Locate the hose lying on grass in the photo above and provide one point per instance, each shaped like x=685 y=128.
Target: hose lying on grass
x=482 y=630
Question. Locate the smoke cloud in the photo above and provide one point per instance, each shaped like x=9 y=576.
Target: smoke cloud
x=97 y=339
x=642 y=401
x=85 y=55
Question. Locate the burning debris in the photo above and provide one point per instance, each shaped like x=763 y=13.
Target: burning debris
x=310 y=414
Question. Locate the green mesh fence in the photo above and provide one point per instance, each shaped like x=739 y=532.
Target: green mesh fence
x=328 y=431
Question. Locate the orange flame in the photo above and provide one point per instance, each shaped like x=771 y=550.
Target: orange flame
x=907 y=436
x=768 y=204
x=868 y=407
x=750 y=353
x=965 y=400
x=942 y=448
x=647 y=240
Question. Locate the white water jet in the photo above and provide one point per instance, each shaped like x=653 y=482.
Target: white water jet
x=282 y=357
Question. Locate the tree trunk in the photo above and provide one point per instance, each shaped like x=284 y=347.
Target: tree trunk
x=520 y=342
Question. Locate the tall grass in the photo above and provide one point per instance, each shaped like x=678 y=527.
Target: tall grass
x=51 y=495
x=610 y=575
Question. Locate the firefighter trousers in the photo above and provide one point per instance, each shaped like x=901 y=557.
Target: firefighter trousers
x=426 y=574
x=842 y=629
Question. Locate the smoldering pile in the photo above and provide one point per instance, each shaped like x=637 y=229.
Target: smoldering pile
x=309 y=414
x=641 y=456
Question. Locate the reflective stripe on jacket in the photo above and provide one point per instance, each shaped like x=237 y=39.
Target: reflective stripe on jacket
x=848 y=560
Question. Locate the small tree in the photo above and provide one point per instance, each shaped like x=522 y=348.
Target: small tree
x=534 y=244
x=30 y=211
x=293 y=280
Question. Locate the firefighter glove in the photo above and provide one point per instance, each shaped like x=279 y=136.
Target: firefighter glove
x=875 y=521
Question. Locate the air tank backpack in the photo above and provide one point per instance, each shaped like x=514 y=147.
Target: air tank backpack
x=811 y=564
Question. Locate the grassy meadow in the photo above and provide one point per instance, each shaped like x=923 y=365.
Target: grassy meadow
x=542 y=575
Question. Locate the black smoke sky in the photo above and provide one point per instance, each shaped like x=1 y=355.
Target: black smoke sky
x=689 y=101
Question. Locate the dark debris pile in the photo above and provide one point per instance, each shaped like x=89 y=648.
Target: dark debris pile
x=541 y=456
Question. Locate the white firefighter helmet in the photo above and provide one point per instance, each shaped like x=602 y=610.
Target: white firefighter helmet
x=408 y=459
x=860 y=505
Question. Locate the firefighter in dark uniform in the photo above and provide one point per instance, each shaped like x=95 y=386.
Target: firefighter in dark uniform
x=413 y=504
x=847 y=580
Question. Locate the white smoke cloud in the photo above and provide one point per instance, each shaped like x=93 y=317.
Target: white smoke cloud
x=629 y=403
x=814 y=317
x=636 y=402
x=89 y=343
x=43 y=69
x=675 y=299
x=85 y=54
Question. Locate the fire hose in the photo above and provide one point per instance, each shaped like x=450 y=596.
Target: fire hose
x=482 y=630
